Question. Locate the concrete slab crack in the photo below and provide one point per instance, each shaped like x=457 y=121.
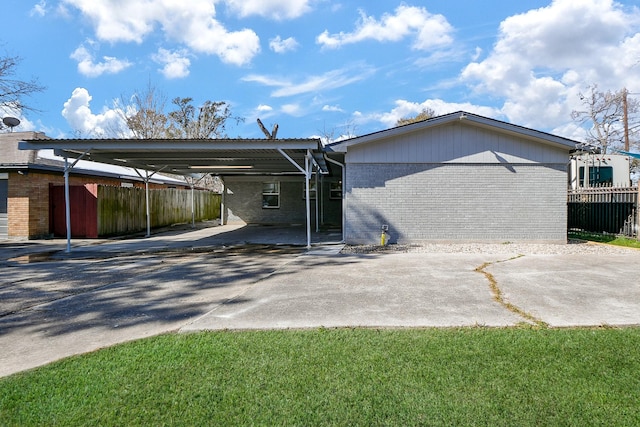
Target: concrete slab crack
x=499 y=297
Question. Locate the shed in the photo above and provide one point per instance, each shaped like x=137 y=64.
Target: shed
x=457 y=177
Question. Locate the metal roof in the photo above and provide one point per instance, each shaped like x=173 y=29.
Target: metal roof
x=194 y=156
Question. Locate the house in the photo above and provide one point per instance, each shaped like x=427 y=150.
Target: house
x=457 y=177
x=30 y=178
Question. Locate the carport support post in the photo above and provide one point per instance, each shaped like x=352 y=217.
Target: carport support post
x=67 y=203
x=638 y=212
x=223 y=201
x=193 y=206
x=146 y=191
x=307 y=178
x=318 y=197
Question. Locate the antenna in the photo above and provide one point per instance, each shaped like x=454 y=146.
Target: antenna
x=10 y=122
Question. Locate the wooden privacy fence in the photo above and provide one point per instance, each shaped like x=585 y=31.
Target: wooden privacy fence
x=123 y=210
x=604 y=210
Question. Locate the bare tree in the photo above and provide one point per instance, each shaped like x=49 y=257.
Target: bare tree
x=207 y=121
x=425 y=114
x=13 y=90
x=144 y=113
x=344 y=131
x=604 y=114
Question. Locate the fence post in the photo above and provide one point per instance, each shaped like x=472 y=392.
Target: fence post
x=638 y=212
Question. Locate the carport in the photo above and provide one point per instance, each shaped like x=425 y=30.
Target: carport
x=191 y=159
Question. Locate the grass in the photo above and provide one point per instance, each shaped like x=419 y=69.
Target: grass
x=469 y=376
x=610 y=239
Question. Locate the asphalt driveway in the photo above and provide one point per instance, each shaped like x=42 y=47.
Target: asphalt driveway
x=54 y=305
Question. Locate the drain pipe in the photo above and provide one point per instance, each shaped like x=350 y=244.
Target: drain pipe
x=344 y=199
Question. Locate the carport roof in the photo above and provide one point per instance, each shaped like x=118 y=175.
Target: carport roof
x=186 y=157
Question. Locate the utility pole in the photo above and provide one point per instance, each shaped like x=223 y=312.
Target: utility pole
x=625 y=118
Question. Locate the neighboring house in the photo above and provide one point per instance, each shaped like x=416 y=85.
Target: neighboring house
x=27 y=178
x=457 y=177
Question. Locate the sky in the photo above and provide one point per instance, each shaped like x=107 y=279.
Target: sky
x=320 y=67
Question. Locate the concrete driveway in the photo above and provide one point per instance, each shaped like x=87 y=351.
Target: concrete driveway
x=54 y=305
x=439 y=289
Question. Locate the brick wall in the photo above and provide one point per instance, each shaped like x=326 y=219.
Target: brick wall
x=243 y=202
x=456 y=202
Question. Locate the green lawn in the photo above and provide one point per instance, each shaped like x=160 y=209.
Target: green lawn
x=610 y=239
x=469 y=376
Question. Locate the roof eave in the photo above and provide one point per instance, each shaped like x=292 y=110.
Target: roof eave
x=170 y=144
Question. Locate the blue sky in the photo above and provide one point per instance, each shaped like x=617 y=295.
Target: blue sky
x=319 y=67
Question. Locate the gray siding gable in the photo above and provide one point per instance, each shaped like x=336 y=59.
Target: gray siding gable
x=464 y=137
x=456 y=143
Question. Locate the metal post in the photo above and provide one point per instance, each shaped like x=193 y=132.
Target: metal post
x=317 y=199
x=638 y=212
x=67 y=203
x=193 y=207
x=307 y=177
x=223 y=201
x=146 y=190
x=625 y=118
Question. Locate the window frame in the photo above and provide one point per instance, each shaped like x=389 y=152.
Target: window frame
x=271 y=194
x=312 y=190
x=332 y=190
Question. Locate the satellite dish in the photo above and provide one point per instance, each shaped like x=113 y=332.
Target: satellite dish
x=10 y=122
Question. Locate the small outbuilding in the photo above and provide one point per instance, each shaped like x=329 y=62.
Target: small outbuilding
x=457 y=177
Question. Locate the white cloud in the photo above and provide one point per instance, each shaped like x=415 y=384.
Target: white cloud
x=275 y=9
x=175 y=64
x=332 y=108
x=77 y=112
x=406 y=108
x=545 y=56
x=87 y=66
x=281 y=46
x=330 y=80
x=263 y=107
x=292 y=109
x=428 y=30
x=39 y=9
x=191 y=23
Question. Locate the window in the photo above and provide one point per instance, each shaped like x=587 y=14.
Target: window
x=602 y=175
x=335 y=191
x=598 y=176
x=270 y=195
x=312 y=190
